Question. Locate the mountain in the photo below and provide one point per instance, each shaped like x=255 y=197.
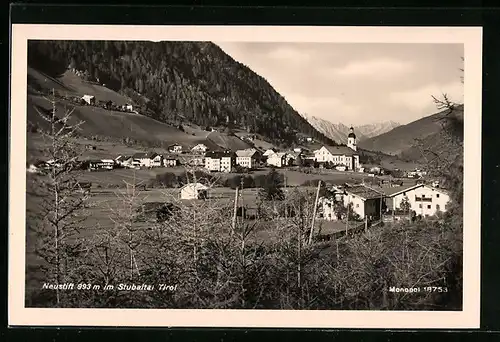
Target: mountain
x=372 y=130
x=339 y=132
x=447 y=143
x=403 y=138
x=174 y=82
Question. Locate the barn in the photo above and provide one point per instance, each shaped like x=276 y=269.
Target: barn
x=194 y=191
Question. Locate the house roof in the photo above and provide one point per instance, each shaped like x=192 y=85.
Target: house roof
x=195 y=186
x=363 y=191
x=278 y=154
x=269 y=151
x=107 y=160
x=219 y=154
x=143 y=155
x=390 y=192
x=120 y=158
x=441 y=190
x=340 y=150
x=250 y=152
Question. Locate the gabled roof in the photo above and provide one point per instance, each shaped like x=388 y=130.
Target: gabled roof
x=219 y=154
x=269 y=151
x=278 y=154
x=195 y=186
x=143 y=155
x=340 y=150
x=250 y=152
x=363 y=191
x=120 y=158
x=391 y=192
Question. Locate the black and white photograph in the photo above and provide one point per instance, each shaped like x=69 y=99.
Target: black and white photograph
x=251 y=174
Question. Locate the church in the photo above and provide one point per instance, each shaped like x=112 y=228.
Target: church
x=345 y=155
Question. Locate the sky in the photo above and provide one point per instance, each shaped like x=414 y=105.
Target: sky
x=357 y=83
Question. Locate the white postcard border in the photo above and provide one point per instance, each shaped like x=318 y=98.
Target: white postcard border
x=471 y=37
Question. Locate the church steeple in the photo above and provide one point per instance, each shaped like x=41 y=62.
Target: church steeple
x=351 y=139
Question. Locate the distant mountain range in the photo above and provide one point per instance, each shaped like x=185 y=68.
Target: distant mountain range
x=338 y=132
x=402 y=139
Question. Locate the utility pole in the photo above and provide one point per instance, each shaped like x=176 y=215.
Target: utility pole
x=242 y=204
x=381 y=198
x=314 y=212
x=235 y=210
x=286 y=202
x=347 y=218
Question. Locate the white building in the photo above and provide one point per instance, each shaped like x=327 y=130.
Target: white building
x=212 y=163
x=199 y=149
x=157 y=160
x=148 y=159
x=364 y=201
x=103 y=164
x=89 y=99
x=423 y=199
x=128 y=162
x=278 y=159
x=169 y=161
x=175 y=148
x=107 y=164
x=122 y=160
x=416 y=173
x=247 y=158
x=268 y=152
x=338 y=155
x=194 y=191
x=219 y=161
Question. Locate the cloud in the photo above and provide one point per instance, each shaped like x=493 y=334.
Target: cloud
x=356 y=83
x=420 y=100
x=328 y=108
x=381 y=66
x=289 y=55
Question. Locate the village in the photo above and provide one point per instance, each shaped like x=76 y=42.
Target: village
x=175 y=163
x=385 y=198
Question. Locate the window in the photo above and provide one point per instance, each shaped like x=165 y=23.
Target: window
x=357 y=205
x=423 y=195
x=404 y=193
x=428 y=206
x=437 y=207
x=420 y=205
x=437 y=195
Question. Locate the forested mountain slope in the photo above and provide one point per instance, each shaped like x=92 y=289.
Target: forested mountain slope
x=176 y=82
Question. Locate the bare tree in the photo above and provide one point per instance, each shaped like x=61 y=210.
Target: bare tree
x=62 y=199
